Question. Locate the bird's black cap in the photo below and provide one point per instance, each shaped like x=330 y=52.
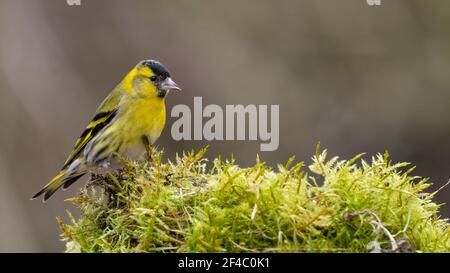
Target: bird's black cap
x=157 y=68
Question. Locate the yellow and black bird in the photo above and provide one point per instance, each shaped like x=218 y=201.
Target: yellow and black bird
x=132 y=115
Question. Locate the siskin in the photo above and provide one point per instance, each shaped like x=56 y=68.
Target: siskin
x=129 y=119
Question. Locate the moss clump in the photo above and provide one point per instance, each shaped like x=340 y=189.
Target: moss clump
x=340 y=206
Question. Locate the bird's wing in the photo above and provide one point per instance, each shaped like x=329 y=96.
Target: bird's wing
x=104 y=115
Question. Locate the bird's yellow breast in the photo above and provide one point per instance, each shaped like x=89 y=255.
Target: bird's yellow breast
x=143 y=117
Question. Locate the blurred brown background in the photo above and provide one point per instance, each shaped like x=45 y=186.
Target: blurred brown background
x=355 y=77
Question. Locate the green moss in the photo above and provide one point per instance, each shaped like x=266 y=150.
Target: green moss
x=338 y=206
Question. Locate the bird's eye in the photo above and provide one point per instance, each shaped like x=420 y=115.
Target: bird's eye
x=153 y=78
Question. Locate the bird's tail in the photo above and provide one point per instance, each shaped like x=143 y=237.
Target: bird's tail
x=62 y=179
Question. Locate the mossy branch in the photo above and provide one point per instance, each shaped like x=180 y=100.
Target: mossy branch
x=338 y=206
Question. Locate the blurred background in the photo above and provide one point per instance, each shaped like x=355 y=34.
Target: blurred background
x=355 y=77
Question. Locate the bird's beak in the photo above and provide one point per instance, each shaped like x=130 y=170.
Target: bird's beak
x=169 y=84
